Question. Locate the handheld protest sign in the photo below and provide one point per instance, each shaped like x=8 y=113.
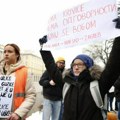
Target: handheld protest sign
x=6 y=94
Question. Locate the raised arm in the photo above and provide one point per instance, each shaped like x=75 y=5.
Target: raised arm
x=51 y=67
x=112 y=69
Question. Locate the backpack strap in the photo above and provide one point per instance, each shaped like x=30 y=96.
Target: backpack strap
x=65 y=89
x=94 y=89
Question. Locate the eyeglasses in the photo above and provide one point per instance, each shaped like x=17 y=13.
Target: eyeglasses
x=61 y=63
x=78 y=65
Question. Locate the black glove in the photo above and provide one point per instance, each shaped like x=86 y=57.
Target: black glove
x=43 y=40
x=117 y=20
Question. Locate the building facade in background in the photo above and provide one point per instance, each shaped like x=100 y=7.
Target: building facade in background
x=34 y=63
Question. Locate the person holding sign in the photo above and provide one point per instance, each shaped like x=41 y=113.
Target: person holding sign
x=78 y=100
x=14 y=86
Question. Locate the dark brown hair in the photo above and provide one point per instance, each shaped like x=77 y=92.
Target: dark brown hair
x=16 y=48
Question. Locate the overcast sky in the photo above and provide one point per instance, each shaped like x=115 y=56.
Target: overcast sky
x=25 y=21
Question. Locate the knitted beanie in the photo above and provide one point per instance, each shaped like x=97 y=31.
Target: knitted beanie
x=59 y=59
x=88 y=61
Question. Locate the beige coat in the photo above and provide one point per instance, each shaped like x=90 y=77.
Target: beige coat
x=30 y=95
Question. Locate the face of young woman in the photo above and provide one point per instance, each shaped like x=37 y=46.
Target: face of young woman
x=78 y=66
x=10 y=56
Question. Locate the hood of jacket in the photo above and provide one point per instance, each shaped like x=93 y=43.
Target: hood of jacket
x=95 y=72
x=13 y=67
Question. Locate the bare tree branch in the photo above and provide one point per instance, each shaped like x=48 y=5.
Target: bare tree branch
x=100 y=51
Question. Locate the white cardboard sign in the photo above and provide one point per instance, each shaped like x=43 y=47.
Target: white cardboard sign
x=82 y=24
x=6 y=94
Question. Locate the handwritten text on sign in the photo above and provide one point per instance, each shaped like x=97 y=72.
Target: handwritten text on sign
x=6 y=95
x=85 y=23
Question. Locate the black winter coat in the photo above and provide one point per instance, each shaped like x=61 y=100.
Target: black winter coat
x=78 y=103
x=117 y=89
x=50 y=92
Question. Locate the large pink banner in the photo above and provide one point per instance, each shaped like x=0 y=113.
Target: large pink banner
x=83 y=24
